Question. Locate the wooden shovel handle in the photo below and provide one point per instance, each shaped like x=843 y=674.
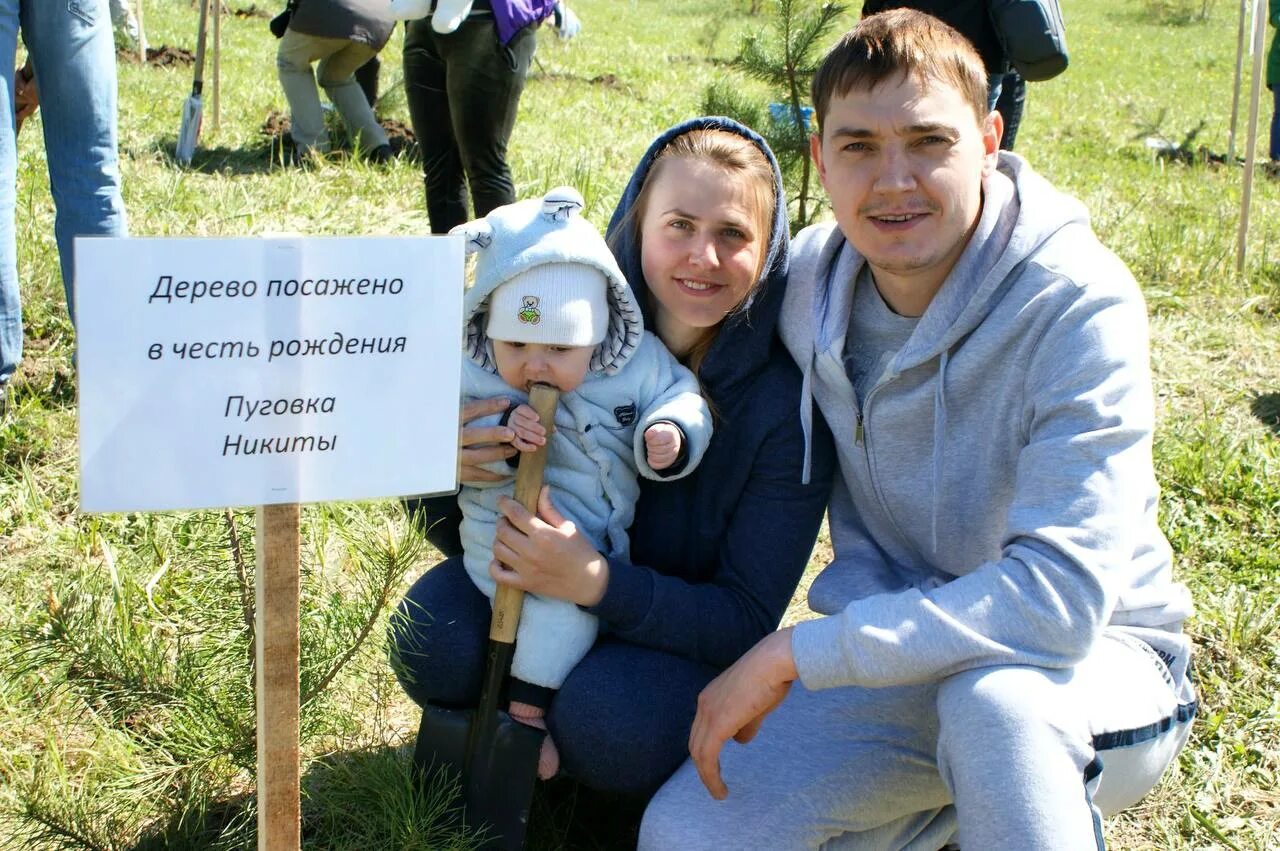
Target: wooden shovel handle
x=508 y=601
x=197 y=85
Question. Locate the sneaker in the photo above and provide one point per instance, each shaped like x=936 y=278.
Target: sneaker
x=381 y=155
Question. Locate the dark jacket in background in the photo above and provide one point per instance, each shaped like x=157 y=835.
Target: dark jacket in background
x=970 y=18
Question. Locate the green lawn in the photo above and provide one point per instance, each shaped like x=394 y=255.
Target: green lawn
x=126 y=711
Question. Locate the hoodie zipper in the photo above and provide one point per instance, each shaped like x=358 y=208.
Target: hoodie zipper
x=861 y=439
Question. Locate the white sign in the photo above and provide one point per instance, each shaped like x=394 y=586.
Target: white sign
x=256 y=371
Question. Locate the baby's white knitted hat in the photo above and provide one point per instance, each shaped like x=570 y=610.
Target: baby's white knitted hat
x=558 y=304
x=543 y=249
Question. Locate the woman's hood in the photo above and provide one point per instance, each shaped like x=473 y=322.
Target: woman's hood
x=743 y=345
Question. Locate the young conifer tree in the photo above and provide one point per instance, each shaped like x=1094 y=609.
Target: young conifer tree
x=784 y=55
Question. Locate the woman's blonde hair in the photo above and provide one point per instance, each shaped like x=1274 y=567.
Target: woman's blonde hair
x=736 y=156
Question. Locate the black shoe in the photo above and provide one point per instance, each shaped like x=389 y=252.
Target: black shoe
x=381 y=155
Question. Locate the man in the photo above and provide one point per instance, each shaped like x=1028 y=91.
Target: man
x=71 y=69
x=1002 y=660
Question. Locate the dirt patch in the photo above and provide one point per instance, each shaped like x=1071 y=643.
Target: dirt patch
x=399 y=135
x=277 y=124
x=1205 y=156
x=160 y=57
x=1266 y=408
x=609 y=81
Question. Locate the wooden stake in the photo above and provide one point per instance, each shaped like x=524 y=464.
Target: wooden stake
x=217 y=64
x=142 y=36
x=1251 y=144
x=279 y=809
x=1235 y=88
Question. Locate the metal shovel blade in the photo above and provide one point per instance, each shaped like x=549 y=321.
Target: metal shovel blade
x=193 y=106
x=498 y=784
x=442 y=741
x=189 y=130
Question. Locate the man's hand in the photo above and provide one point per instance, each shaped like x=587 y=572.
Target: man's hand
x=662 y=445
x=735 y=703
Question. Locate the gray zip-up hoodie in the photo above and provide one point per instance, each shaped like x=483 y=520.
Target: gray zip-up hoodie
x=997 y=503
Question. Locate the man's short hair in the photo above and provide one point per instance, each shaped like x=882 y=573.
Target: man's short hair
x=900 y=43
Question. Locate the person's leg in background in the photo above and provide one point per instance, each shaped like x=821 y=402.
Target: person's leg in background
x=74 y=58
x=425 y=77
x=367 y=78
x=1275 y=124
x=1010 y=103
x=10 y=295
x=336 y=72
x=484 y=81
x=293 y=66
x=124 y=22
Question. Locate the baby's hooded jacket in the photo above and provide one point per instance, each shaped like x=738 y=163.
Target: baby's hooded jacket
x=597 y=446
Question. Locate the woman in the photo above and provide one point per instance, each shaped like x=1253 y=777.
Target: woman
x=463 y=88
x=701 y=234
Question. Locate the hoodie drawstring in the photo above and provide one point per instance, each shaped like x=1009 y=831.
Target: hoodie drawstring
x=806 y=419
x=939 y=434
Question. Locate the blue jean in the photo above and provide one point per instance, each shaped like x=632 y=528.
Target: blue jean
x=1007 y=94
x=73 y=56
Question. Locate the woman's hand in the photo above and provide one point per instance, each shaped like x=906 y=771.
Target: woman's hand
x=546 y=554
x=483 y=444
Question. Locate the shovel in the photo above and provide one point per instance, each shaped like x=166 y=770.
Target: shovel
x=497 y=757
x=192 y=108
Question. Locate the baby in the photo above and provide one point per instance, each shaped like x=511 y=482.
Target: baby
x=550 y=305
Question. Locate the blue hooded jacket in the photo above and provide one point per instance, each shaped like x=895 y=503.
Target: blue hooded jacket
x=724 y=547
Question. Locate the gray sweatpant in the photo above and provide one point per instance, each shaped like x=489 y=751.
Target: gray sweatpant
x=1012 y=757
x=338 y=59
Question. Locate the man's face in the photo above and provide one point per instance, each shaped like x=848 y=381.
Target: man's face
x=903 y=163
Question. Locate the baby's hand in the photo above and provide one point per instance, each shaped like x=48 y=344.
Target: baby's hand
x=662 y=445
x=529 y=433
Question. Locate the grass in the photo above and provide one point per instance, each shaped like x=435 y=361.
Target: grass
x=125 y=700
